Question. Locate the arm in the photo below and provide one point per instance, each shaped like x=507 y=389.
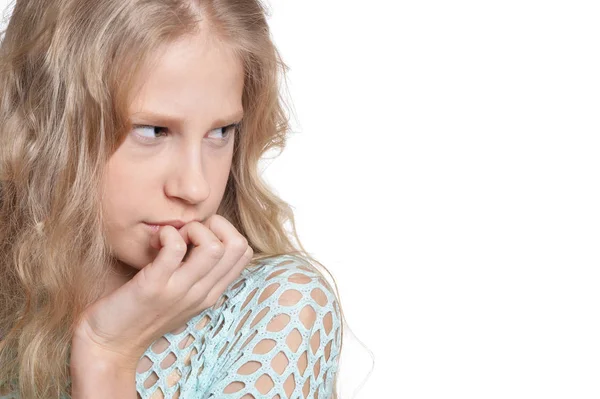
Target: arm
x=98 y=375
x=288 y=342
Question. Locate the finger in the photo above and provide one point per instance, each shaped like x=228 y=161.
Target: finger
x=223 y=284
x=234 y=245
x=204 y=255
x=171 y=251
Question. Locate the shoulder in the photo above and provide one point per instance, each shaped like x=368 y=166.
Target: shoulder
x=286 y=333
x=295 y=290
x=285 y=269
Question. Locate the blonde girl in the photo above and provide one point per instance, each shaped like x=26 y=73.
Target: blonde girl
x=141 y=253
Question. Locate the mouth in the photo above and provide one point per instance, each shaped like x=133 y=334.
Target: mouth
x=177 y=223
x=153 y=227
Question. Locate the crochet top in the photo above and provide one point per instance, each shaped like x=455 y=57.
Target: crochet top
x=274 y=333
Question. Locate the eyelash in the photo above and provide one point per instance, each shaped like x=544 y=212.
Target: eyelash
x=227 y=128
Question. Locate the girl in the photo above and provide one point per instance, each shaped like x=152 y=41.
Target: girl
x=131 y=132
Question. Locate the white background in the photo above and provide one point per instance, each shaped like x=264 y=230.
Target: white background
x=446 y=170
x=444 y=166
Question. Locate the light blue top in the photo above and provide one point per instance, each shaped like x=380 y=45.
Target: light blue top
x=277 y=324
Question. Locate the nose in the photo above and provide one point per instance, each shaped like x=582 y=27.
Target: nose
x=187 y=179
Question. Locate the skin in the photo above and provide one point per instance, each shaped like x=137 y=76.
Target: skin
x=181 y=171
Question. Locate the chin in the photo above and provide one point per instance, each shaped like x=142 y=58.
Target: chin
x=134 y=255
x=130 y=247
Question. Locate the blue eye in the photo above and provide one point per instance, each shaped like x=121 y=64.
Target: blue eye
x=228 y=130
x=160 y=130
x=155 y=129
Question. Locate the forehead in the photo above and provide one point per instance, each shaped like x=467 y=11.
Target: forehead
x=194 y=76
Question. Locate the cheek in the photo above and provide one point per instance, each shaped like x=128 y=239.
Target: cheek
x=125 y=205
x=126 y=187
x=220 y=175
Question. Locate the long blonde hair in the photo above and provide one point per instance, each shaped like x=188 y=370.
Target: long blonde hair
x=67 y=69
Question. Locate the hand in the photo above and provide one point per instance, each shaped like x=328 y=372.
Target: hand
x=166 y=293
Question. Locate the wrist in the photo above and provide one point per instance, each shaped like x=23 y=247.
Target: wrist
x=97 y=373
x=86 y=353
x=94 y=361
x=100 y=379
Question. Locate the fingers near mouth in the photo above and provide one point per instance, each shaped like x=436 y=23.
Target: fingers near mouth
x=190 y=247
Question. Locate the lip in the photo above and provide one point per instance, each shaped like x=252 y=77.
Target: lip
x=175 y=223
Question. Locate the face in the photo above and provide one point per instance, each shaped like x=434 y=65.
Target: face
x=175 y=162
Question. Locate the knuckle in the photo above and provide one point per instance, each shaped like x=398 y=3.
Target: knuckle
x=216 y=216
x=215 y=249
x=180 y=248
x=217 y=220
x=239 y=244
x=212 y=219
x=194 y=229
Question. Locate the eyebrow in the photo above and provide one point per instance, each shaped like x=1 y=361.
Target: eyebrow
x=173 y=120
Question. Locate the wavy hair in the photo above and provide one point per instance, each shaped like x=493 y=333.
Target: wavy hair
x=67 y=69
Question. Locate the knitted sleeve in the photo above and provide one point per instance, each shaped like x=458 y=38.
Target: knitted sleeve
x=287 y=341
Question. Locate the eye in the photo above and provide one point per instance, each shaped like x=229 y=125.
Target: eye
x=160 y=130
x=151 y=129
x=226 y=131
